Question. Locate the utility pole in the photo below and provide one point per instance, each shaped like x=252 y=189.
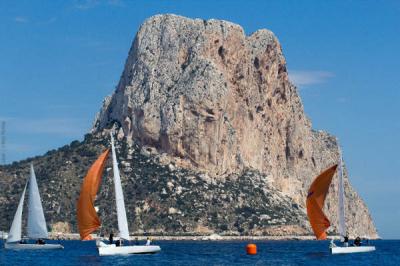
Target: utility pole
x=3 y=142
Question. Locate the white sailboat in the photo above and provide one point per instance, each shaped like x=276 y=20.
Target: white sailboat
x=342 y=221
x=87 y=217
x=36 y=222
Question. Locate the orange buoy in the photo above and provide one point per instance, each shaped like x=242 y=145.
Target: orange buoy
x=251 y=249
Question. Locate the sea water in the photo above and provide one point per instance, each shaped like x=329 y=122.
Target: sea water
x=208 y=253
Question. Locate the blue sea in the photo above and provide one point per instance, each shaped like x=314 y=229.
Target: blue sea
x=209 y=253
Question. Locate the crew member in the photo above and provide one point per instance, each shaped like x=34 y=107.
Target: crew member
x=111 y=238
x=40 y=241
x=346 y=241
x=148 y=242
x=357 y=241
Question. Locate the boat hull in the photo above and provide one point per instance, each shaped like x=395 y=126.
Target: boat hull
x=18 y=246
x=352 y=249
x=109 y=250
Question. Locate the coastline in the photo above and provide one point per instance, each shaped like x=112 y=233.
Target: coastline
x=213 y=237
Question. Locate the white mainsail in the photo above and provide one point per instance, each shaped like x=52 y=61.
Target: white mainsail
x=16 y=227
x=119 y=196
x=342 y=220
x=36 y=221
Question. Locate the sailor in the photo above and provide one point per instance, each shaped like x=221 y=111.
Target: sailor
x=148 y=242
x=346 y=241
x=357 y=241
x=110 y=239
x=40 y=241
x=136 y=241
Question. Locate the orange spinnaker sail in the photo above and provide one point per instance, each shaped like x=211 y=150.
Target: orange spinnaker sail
x=88 y=221
x=315 y=202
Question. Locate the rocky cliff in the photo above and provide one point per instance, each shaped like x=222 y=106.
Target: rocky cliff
x=213 y=138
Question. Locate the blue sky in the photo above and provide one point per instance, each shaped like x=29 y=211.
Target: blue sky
x=59 y=59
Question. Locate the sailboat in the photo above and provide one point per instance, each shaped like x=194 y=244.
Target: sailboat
x=88 y=220
x=36 y=222
x=315 y=203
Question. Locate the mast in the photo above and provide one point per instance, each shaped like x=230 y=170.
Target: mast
x=341 y=210
x=36 y=221
x=119 y=196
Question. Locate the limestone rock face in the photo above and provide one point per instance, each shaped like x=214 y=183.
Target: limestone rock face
x=210 y=98
x=204 y=91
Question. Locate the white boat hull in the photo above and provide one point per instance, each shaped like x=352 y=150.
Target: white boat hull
x=351 y=249
x=18 y=246
x=109 y=250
